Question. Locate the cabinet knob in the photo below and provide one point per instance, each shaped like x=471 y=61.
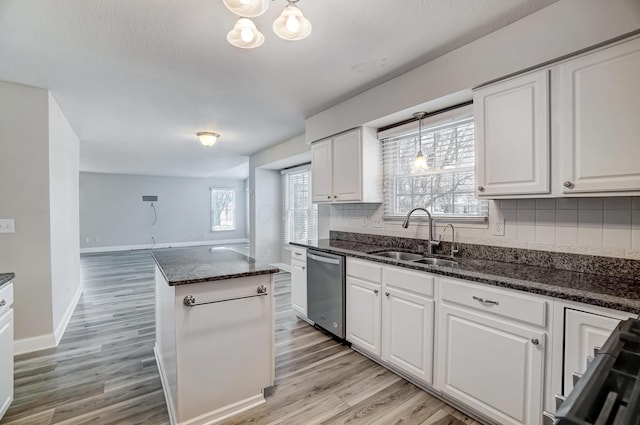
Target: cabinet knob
x=535 y=341
x=328 y=196
x=261 y=289
x=480 y=188
x=387 y=294
x=335 y=196
x=2 y=303
x=568 y=184
x=375 y=291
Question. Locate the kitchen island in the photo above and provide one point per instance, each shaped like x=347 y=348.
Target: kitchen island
x=214 y=332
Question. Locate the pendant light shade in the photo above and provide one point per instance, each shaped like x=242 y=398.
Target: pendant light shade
x=247 y=8
x=207 y=138
x=291 y=24
x=420 y=164
x=245 y=35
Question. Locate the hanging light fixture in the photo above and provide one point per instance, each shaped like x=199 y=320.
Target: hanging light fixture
x=245 y=35
x=247 y=8
x=291 y=24
x=420 y=163
x=207 y=138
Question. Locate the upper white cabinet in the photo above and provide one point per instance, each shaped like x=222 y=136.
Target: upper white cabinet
x=347 y=167
x=512 y=136
x=600 y=106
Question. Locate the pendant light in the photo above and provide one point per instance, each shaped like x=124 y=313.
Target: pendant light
x=291 y=24
x=247 y=8
x=420 y=163
x=245 y=35
x=207 y=138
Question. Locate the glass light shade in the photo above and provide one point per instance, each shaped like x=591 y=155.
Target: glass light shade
x=207 y=138
x=247 y=8
x=420 y=163
x=291 y=24
x=245 y=35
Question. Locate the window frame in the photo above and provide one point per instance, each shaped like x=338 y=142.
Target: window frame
x=285 y=203
x=213 y=209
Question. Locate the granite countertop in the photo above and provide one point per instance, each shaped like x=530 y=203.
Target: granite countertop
x=605 y=291
x=6 y=277
x=205 y=264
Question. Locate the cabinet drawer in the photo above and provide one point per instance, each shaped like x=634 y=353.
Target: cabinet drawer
x=417 y=282
x=299 y=254
x=6 y=298
x=364 y=270
x=495 y=301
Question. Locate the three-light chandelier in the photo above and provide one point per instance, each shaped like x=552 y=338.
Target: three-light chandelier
x=290 y=25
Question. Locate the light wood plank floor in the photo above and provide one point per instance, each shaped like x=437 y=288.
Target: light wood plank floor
x=104 y=372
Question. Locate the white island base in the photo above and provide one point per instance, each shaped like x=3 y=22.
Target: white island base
x=216 y=357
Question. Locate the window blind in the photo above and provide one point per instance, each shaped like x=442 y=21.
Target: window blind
x=447 y=187
x=300 y=218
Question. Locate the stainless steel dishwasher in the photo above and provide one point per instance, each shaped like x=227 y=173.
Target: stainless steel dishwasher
x=326 y=291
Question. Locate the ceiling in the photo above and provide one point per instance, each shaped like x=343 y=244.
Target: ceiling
x=137 y=79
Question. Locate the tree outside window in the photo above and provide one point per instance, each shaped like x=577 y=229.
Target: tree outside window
x=222 y=210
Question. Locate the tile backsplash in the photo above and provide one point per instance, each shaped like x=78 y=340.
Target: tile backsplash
x=595 y=226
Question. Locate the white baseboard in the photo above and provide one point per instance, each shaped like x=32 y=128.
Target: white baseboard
x=160 y=245
x=35 y=343
x=62 y=326
x=165 y=386
x=226 y=412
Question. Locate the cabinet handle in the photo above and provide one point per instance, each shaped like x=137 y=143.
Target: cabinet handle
x=483 y=301
x=568 y=184
x=535 y=341
x=2 y=303
x=559 y=400
x=375 y=291
x=387 y=293
x=480 y=188
x=297 y=253
x=575 y=377
x=548 y=418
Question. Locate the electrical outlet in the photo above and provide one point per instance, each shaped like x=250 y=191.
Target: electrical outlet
x=498 y=226
x=7 y=225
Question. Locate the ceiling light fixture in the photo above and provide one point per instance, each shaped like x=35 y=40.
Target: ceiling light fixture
x=420 y=163
x=245 y=35
x=207 y=138
x=291 y=24
x=247 y=8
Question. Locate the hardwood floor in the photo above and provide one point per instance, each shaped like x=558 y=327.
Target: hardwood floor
x=104 y=372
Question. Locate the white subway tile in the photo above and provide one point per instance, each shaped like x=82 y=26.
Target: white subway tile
x=546 y=234
x=633 y=254
x=589 y=236
x=590 y=204
x=567 y=204
x=526 y=204
x=636 y=203
x=607 y=252
x=635 y=239
x=525 y=232
x=541 y=246
x=590 y=218
x=566 y=235
x=545 y=204
x=617 y=203
x=526 y=217
x=617 y=219
x=635 y=219
x=508 y=204
x=616 y=238
x=567 y=218
x=572 y=249
x=545 y=217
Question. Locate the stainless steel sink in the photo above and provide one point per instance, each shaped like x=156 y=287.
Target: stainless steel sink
x=398 y=255
x=436 y=262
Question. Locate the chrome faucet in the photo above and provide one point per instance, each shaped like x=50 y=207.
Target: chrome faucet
x=453 y=238
x=431 y=242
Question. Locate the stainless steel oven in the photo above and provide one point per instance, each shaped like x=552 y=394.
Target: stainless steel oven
x=326 y=291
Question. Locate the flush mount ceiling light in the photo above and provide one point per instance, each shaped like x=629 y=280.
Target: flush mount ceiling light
x=245 y=35
x=247 y=8
x=420 y=163
x=291 y=24
x=207 y=138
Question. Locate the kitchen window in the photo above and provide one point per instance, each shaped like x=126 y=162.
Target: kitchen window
x=300 y=218
x=446 y=189
x=223 y=208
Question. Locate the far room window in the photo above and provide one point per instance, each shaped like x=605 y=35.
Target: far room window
x=446 y=188
x=223 y=208
x=300 y=219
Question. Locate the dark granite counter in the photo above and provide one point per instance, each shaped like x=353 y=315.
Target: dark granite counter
x=605 y=291
x=205 y=264
x=5 y=278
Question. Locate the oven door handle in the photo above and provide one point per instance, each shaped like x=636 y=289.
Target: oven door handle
x=323 y=259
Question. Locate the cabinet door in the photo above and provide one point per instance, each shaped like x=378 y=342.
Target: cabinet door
x=582 y=333
x=363 y=314
x=321 y=171
x=347 y=166
x=299 y=287
x=6 y=361
x=407 y=332
x=491 y=365
x=600 y=126
x=512 y=136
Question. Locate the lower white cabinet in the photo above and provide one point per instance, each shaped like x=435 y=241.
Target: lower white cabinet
x=363 y=314
x=299 y=281
x=6 y=348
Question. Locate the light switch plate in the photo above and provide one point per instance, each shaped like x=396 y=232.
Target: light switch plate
x=7 y=225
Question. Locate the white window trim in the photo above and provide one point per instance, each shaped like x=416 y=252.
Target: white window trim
x=292 y=170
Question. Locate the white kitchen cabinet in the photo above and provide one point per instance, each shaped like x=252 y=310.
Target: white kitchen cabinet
x=512 y=136
x=363 y=314
x=491 y=350
x=6 y=348
x=299 y=281
x=599 y=104
x=347 y=167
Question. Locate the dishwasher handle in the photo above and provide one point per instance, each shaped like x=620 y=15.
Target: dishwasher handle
x=323 y=259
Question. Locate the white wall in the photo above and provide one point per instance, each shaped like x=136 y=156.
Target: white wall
x=557 y=30
x=64 y=160
x=112 y=214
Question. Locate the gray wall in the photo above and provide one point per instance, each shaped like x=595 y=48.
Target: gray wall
x=112 y=213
